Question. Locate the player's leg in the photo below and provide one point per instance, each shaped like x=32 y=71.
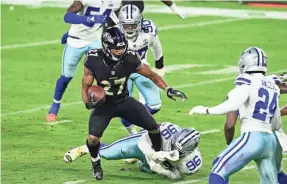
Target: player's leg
x=266 y=164
x=130 y=127
x=124 y=148
x=98 y=122
x=240 y=152
x=282 y=177
x=150 y=92
x=136 y=113
x=70 y=60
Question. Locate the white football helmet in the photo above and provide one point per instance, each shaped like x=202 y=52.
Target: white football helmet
x=185 y=141
x=130 y=19
x=253 y=59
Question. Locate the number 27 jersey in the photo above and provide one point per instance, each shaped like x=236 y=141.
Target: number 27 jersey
x=257 y=112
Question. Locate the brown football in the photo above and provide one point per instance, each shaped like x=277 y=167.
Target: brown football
x=97 y=93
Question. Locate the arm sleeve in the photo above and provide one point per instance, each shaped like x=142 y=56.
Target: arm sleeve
x=156 y=48
x=236 y=98
x=145 y=145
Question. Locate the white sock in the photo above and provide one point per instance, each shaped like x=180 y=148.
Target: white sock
x=95 y=159
x=131 y=129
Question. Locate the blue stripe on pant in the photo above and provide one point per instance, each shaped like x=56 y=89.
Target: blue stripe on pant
x=257 y=146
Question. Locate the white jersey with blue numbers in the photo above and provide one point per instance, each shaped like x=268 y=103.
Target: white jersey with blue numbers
x=263 y=101
x=188 y=164
x=147 y=38
x=87 y=33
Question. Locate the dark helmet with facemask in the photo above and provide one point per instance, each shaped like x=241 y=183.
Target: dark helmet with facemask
x=113 y=38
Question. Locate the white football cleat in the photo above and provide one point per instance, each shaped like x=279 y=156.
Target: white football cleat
x=131 y=161
x=75 y=153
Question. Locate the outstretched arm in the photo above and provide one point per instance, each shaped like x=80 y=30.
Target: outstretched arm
x=173 y=7
x=147 y=72
x=236 y=98
x=71 y=16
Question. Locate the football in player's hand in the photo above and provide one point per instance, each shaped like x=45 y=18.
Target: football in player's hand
x=97 y=93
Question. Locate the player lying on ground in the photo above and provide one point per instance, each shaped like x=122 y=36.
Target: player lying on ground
x=179 y=154
x=86 y=19
x=142 y=34
x=257 y=98
x=111 y=68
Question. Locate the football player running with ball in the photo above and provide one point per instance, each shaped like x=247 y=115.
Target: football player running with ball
x=111 y=67
x=257 y=98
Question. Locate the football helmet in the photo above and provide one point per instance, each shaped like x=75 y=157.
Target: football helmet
x=113 y=38
x=130 y=19
x=185 y=141
x=253 y=59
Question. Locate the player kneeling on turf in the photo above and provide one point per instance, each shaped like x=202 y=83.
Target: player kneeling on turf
x=179 y=153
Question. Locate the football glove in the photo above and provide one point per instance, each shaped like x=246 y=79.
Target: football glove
x=93 y=104
x=170 y=92
x=198 y=110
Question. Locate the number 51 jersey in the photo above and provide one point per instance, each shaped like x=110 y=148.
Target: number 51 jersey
x=92 y=32
x=257 y=112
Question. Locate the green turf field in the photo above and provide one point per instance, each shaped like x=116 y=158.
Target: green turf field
x=32 y=151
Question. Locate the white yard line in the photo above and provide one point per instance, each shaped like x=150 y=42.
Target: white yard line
x=39 y=109
x=59 y=122
x=179 y=26
x=75 y=182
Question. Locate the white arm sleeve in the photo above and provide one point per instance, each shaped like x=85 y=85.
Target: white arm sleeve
x=156 y=48
x=145 y=145
x=236 y=98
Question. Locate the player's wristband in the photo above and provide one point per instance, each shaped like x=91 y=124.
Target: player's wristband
x=159 y=63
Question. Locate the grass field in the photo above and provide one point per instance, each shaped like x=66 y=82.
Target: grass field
x=32 y=151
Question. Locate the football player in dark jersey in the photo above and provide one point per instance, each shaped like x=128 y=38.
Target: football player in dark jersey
x=111 y=67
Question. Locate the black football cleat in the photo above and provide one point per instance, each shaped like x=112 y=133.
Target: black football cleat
x=97 y=170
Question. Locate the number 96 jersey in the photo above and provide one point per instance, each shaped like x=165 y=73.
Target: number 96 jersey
x=190 y=163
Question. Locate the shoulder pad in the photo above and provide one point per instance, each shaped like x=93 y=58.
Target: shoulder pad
x=242 y=80
x=274 y=77
x=149 y=27
x=93 y=52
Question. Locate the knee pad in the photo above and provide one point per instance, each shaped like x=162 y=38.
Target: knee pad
x=153 y=108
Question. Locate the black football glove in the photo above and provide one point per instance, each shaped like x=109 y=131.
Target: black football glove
x=93 y=104
x=170 y=92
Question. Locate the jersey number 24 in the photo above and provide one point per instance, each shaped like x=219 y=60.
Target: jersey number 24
x=265 y=104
